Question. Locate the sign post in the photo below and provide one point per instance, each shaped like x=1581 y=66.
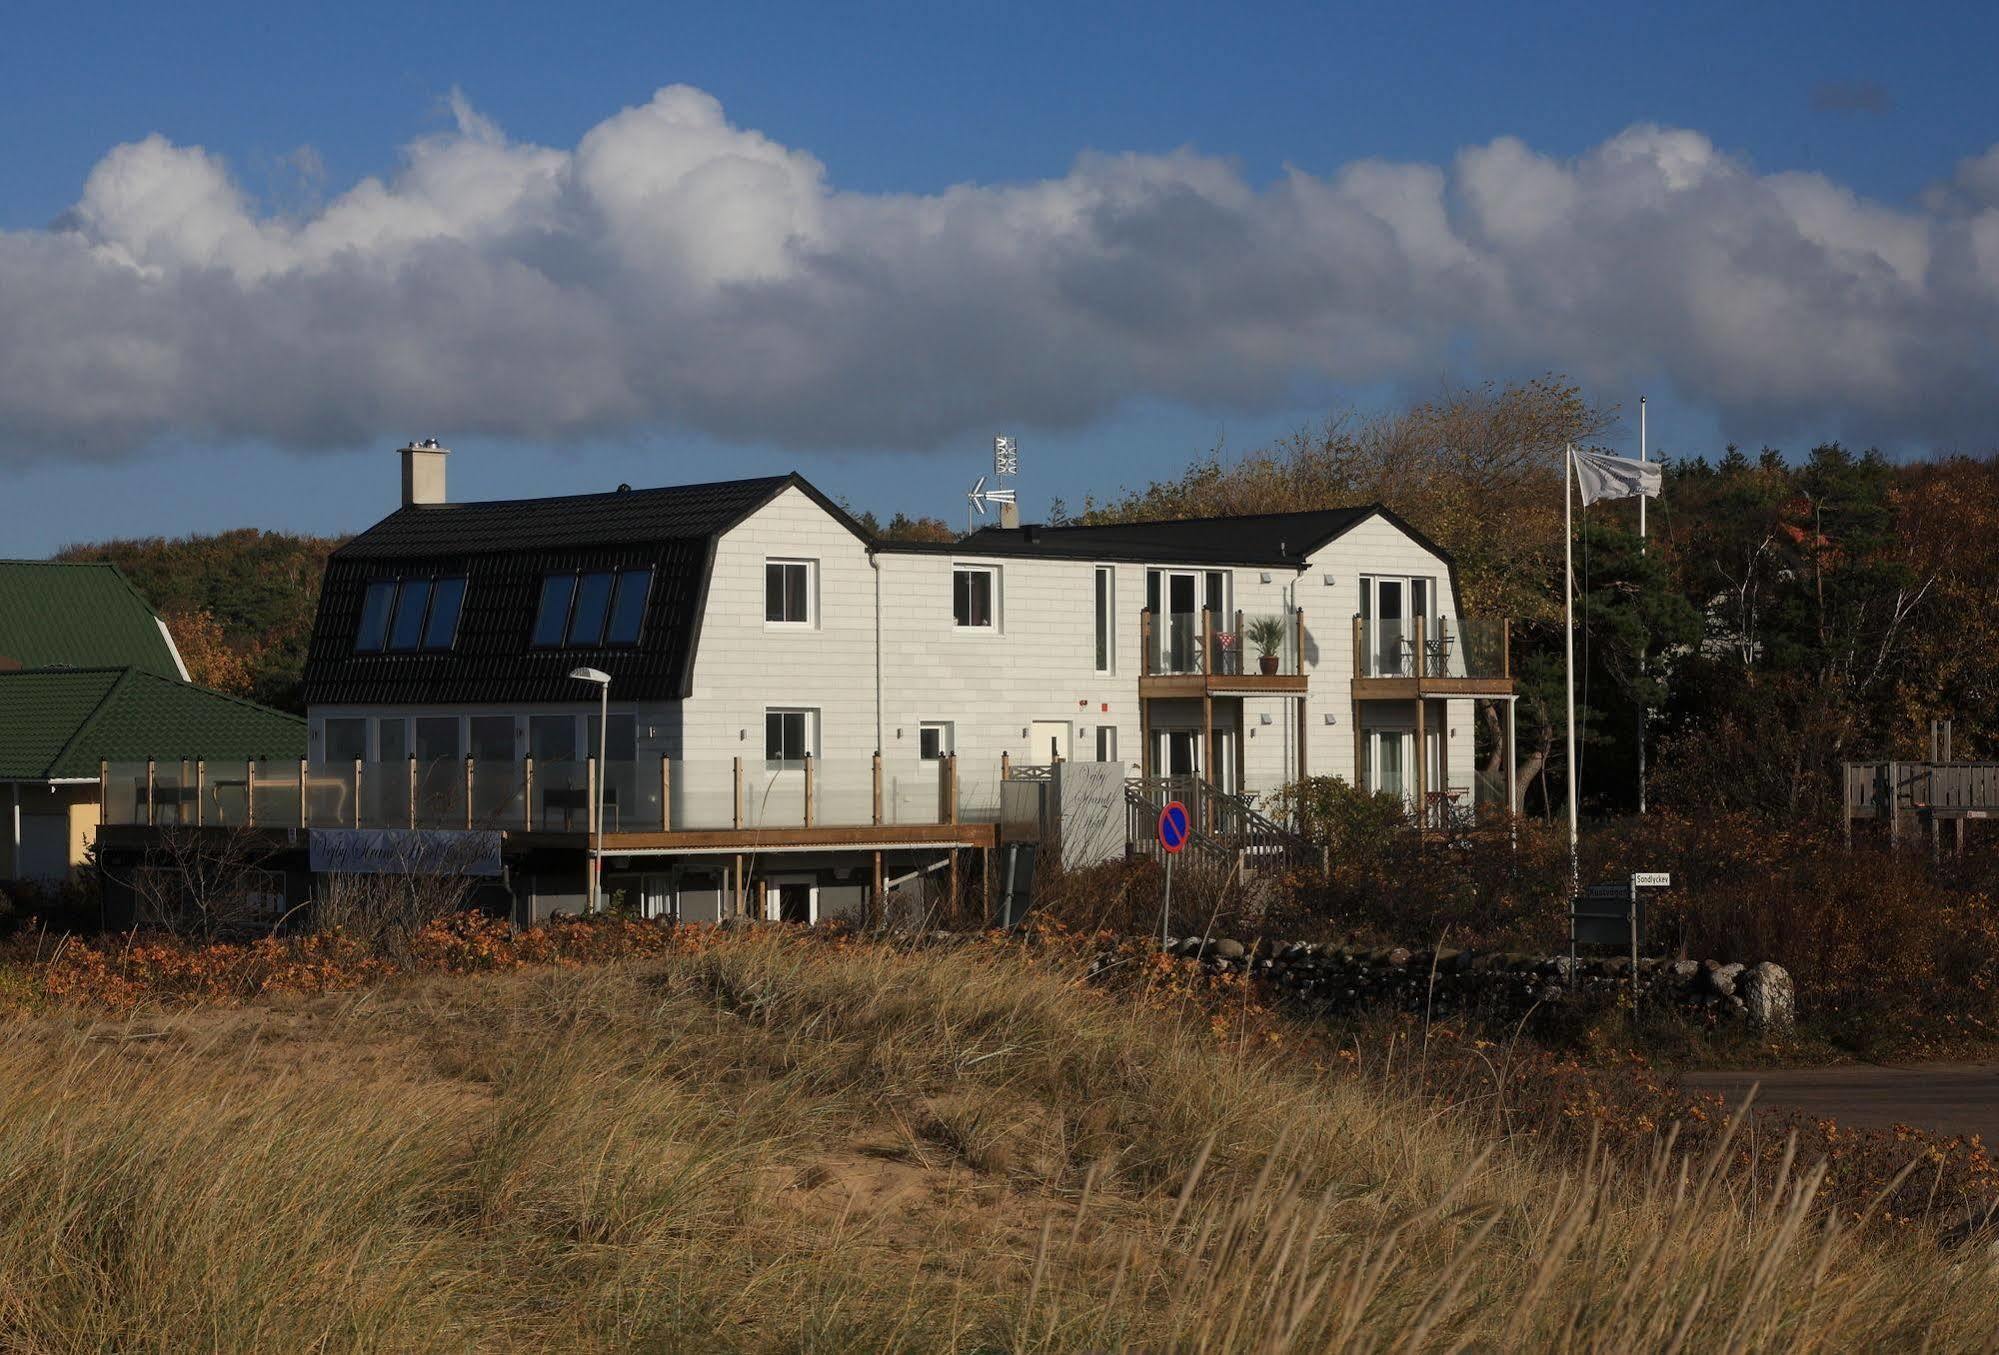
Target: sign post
x=1174 y=829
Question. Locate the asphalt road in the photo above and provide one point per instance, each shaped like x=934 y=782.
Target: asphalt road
x=1942 y=1098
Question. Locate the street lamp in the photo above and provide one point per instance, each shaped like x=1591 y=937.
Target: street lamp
x=603 y=681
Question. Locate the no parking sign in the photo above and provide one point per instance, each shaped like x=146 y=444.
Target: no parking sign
x=1175 y=827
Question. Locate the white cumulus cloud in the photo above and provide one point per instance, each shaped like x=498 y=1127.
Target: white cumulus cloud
x=674 y=270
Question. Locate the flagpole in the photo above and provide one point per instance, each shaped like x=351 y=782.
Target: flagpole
x=1569 y=631
x=1644 y=711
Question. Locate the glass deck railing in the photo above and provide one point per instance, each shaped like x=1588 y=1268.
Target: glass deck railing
x=1432 y=647
x=675 y=794
x=1221 y=644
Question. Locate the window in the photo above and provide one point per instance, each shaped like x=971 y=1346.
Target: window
x=492 y=738
x=628 y=606
x=1106 y=619
x=436 y=737
x=406 y=631
x=788 y=735
x=552 y=738
x=1107 y=743
x=591 y=609
x=933 y=740
x=375 y=608
x=409 y=614
x=345 y=742
x=392 y=739
x=440 y=631
x=623 y=743
x=788 y=592
x=552 y=615
x=974 y=595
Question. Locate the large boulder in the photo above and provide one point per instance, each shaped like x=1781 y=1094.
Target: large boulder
x=1769 y=996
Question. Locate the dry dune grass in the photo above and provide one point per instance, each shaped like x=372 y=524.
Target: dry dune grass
x=776 y=1144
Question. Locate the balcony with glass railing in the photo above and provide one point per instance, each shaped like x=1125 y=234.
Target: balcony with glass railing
x=1432 y=656
x=872 y=795
x=1222 y=653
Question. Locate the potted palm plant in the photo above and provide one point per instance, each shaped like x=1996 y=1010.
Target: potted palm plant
x=1267 y=634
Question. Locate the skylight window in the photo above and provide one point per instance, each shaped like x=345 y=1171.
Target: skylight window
x=553 y=614
x=441 y=629
x=375 y=608
x=592 y=609
x=406 y=615
x=628 y=607
x=593 y=605
x=407 y=630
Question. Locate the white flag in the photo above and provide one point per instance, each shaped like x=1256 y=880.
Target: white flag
x=1615 y=477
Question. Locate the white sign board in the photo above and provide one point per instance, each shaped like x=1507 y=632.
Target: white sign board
x=403 y=851
x=1652 y=879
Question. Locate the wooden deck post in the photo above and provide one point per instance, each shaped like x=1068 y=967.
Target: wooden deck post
x=1207 y=642
x=1298 y=638
x=1359 y=644
x=412 y=788
x=665 y=793
x=877 y=781
x=879 y=902
x=1240 y=665
x=200 y=785
x=468 y=795
x=808 y=790
x=1506 y=647
x=356 y=816
x=152 y=801
x=250 y=792
x=303 y=820
x=527 y=793
x=1145 y=642
x=1006 y=765
x=738 y=811
x=950 y=789
x=954 y=884
x=763 y=900
x=103 y=786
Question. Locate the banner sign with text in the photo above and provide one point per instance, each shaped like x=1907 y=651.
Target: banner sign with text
x=404 y=851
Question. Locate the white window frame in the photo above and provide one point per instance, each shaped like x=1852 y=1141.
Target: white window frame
x=1106 y=622
x=811 y=714
x=946 y=739
x=811 y=621
x=992 y=627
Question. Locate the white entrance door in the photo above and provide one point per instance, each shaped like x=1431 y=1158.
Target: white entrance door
x=1390 y=762
x=1047 y=740
x=1176 y=752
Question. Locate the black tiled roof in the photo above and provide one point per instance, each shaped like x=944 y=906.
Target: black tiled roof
x=1273 y=539
x=625 y=517
x=503 y=548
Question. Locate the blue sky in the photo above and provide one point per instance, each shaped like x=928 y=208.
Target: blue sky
x=885 y=108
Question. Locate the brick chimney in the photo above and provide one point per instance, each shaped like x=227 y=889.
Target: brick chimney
x=423 y=472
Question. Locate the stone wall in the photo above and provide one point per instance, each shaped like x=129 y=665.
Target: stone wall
x=1504 y=985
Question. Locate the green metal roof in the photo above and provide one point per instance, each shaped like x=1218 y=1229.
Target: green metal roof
x=58 y=723
x=62 y=614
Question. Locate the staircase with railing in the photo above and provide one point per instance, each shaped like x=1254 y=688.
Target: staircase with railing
x=1226 y=827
